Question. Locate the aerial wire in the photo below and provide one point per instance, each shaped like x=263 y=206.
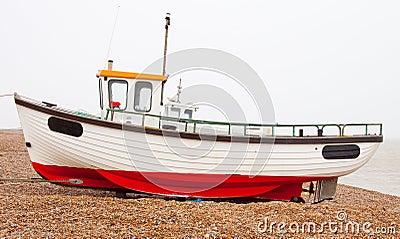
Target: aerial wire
x=112 y=36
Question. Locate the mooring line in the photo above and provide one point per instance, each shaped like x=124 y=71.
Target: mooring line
x=6 y=95
x=40 y=180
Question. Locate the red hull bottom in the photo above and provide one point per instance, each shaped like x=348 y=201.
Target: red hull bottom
x=180 y=184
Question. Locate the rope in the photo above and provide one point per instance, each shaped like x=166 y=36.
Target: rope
x=6 y=95
x=40 y=180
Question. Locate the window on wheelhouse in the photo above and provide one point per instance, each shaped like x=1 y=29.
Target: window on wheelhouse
x=175 y=112
x=118 y=90
x=142 y=98
x=101 y=93
x=187 y=114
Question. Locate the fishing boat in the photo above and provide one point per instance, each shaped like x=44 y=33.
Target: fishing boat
x=132 y=147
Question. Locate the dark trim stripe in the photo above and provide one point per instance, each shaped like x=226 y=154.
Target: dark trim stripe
x=225 y=138
x=55 y=112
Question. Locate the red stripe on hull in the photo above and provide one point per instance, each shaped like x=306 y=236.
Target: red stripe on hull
x=198 y=185
x=90 y=177
x=181 y=184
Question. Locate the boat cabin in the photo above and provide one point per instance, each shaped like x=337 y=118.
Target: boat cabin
x=126 y=96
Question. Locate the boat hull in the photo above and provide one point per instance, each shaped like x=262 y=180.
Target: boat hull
x=269 y=187
x=110 y=156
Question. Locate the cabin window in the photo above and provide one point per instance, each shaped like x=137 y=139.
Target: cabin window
x=175 y=112
x=143 y=92
x=118 y=90
x=187 y=114
x=101 y=93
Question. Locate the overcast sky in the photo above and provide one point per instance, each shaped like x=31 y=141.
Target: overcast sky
x=322 y=61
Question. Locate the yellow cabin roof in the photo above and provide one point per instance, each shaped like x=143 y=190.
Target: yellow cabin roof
x=130 y=75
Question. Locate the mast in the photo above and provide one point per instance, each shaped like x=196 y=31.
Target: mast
x=178 y=95
x=167 y=23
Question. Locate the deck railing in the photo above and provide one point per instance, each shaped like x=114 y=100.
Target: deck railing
x=191 y=125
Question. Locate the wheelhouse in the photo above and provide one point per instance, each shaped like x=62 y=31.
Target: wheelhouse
x=131 y=92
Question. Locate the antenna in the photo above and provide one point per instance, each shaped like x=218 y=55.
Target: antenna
x=112 y=34
x=178 y=95
x=167 y=23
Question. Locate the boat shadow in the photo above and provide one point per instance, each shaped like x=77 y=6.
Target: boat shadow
x=247 y=200
x=54 y=189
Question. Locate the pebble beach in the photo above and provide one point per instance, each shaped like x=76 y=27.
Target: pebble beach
x=45 y=210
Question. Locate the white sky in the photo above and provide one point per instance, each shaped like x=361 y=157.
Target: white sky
x=322 y=61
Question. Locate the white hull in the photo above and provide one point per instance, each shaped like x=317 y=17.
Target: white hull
x=105 y=149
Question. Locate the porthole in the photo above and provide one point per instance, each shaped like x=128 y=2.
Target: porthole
x=65 y=126
x=347 y=151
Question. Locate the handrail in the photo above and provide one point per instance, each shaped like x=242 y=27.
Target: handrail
x=246 y=126
x=366 y=127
